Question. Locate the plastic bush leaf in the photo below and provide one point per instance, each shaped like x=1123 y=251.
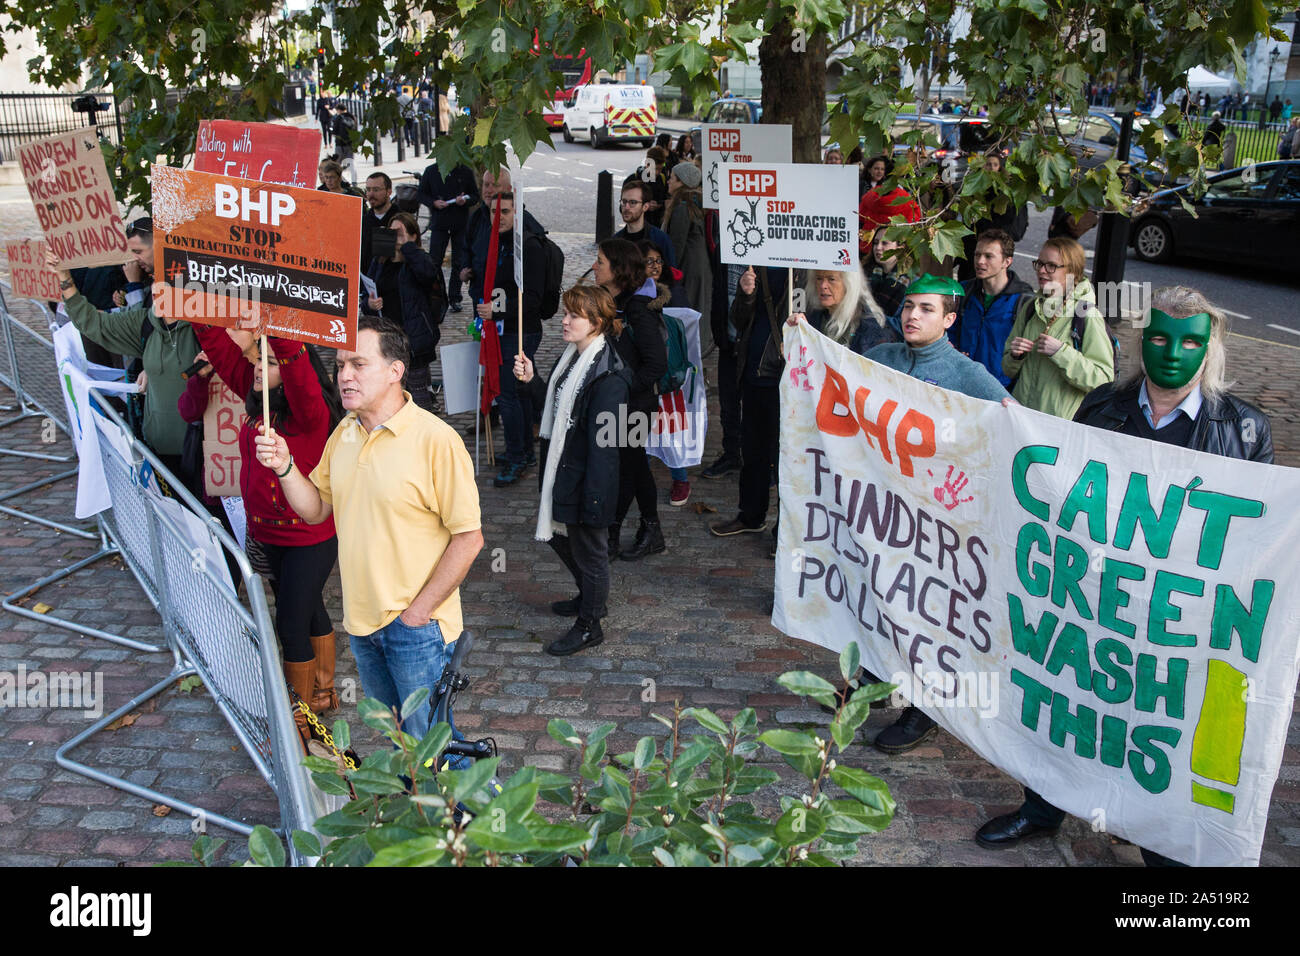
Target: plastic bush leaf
x=850 y=660
x=265 y=848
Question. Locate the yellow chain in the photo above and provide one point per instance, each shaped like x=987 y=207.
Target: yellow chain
x=324 y=734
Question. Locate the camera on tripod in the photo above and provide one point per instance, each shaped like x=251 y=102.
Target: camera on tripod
x=88 y=104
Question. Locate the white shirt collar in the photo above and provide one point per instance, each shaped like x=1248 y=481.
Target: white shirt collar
x=1189 y=406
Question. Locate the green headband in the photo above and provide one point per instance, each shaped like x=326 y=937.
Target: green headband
x=935 y=285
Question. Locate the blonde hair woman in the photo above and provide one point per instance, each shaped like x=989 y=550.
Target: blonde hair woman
x=1051 y=373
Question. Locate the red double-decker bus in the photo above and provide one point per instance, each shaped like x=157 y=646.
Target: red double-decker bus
x=576 y=71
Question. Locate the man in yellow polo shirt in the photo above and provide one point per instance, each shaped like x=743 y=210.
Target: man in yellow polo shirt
x=400 y=485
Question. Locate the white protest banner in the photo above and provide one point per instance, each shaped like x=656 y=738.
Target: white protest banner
x=789 y=215
x=739 y=143
x=76 y=381
x=74 y=199
x=1111 y=621
x=459 y=377
x=681 y=423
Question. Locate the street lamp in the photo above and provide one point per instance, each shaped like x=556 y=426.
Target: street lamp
x=1272 y=59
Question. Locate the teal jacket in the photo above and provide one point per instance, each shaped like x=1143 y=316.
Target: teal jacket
x=166 y=353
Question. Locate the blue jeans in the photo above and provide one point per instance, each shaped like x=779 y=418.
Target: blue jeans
x=397 y=660
x=516 y=409
x=677 y=474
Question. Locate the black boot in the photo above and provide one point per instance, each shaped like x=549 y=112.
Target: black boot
x=649 y=540
x=583 y=634
x=615 y=530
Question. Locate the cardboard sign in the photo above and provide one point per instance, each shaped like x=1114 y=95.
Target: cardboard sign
x=74 y=199
x=789 y=215
x=28 y=274
x=222 y=421
x=244 y=254
x=1110 y=620
x=267 y=152
x=739 y=143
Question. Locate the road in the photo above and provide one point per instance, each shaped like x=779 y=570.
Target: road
x=1263 y=305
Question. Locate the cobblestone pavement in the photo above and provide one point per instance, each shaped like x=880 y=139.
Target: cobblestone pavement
x=694 y=620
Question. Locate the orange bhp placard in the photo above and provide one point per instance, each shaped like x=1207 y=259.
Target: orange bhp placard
x=242 y=253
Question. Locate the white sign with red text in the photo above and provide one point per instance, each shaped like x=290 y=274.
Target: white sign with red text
x=738 y=143
x=789 y=215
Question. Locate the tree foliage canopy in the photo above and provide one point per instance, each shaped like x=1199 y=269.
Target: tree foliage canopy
x=1018 y=58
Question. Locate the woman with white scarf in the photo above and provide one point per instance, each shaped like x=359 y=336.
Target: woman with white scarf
x=580 y=466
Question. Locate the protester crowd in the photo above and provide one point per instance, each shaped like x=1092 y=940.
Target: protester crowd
x=972 y=325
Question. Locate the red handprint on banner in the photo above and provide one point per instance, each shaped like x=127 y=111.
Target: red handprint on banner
x=951 y=489
x=799 y=372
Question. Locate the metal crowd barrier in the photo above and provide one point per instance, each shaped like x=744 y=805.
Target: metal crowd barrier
x=180 y=555
x=37 y=396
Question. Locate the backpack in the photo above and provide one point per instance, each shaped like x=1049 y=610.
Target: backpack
x=1077 y=326
x=553 y=256
x=679 y=363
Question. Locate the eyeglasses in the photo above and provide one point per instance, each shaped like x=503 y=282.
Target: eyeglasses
x=631 y=202
x=1048 y=267
x=654 y=262
x=141 y=227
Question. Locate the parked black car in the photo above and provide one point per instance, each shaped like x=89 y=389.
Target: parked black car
x=732 y=110
x=1249 y=215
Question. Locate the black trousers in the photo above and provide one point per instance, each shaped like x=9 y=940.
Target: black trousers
x=635 y=480
x=300 y=573
x=729 y=400
x=585 y=552
x=1039 y=811
x=760 y=442
x=438 y=240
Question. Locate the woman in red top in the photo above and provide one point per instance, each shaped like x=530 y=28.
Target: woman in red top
x=304 y=408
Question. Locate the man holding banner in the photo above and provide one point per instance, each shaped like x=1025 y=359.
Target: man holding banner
x=1178 y=398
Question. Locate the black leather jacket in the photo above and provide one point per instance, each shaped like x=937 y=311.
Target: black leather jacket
x=1221 y=427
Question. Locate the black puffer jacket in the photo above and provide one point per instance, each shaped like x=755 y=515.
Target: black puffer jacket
x=641 y=346
x=586 y=480
x=421 y=298
x=1221 y=427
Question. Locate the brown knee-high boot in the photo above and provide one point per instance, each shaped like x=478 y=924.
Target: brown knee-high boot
x=326 y=698
x=301 y=677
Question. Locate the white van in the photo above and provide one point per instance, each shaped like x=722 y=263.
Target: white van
x=611 y=113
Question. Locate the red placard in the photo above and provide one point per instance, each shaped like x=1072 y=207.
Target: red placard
x=27 y=271
x=267 y=152
x=243 y=254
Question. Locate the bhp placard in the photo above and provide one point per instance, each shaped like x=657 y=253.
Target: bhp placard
x=789 y=215
x=739 y=143
x=240 y=253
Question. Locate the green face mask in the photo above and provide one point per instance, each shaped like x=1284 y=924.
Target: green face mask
x=1173 y=350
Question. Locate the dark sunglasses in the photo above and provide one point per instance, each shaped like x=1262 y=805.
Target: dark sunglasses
x=141 y=227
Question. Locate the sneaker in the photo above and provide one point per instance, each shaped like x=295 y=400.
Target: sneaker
x=906 y=733
x=735 y=526
x=681 y=493
x=531 y=460
x=455 y=307
x=511 y=473
x=725 y=465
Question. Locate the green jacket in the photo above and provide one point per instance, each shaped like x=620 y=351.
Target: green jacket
x=1057 y=384
x=166 y=354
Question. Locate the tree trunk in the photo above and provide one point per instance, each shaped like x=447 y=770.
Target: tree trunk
x=794 y=87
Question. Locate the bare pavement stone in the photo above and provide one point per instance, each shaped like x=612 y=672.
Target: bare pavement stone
x=689 y=625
